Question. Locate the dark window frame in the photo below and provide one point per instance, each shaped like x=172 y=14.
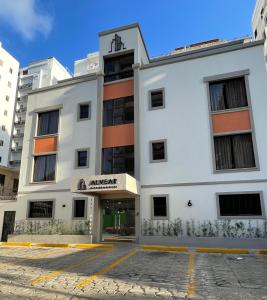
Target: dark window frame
x=89 y=104
x=50 y=131
x=157 y=217
x=244 y=216
x=87 y=150
x=151 y=153
x=115 y=111
x=74 y=208
x=151 y=107
x=40 y=200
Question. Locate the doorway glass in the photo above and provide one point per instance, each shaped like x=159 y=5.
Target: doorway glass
x=118 y=218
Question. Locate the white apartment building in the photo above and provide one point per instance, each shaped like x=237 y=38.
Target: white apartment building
x=38 y=74
x=155 y=150
x=259 y=23
x=9 y=67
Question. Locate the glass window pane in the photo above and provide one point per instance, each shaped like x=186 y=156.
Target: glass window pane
x=156 y=99
x=160 y=206
x=48 y=123
x=79 y=208
x=41 y=209
x=82 y=158
x=84 y=111
x=44 y=168
x=158 y=150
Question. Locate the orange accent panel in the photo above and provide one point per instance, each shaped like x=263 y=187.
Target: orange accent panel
x=46 y=144
x=116 y=136
x=230 y=122
x=119 y=90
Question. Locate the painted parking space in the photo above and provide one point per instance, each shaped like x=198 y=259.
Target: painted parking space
x=128 y=271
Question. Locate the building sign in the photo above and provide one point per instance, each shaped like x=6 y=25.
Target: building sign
x=99 y=184
x=116 y=44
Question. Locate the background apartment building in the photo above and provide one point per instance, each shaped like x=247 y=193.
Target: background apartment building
x=38 y=74
x=9 y=68
x=259 y=23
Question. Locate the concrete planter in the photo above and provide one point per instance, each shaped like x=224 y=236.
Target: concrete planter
x=53 y=238
x=212 y=242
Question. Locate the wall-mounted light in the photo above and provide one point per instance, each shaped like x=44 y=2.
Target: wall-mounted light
x=189 y=203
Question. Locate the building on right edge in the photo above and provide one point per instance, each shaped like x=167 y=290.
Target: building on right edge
x=150 y=149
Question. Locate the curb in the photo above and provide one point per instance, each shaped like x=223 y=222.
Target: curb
x=57 y=245
x=165 y=248
x=263 y=251
x=222 y=250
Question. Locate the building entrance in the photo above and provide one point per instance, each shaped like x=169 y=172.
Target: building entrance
x=118 y=219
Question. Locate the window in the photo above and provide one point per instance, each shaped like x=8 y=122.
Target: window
x=79 y=208
x=48 y=122
x=118 y=160
x=255 y=33
x=160 y=207
x=10 y=70
x=41 y=209
x=228 y=94
x=156 y=99
x=25 y=72
x=7 y=98
x=2 y=180
x=9 y=84
x=119 y=67
x=1 y=143
x=3 y=127
x=240 y=205
x=44 y=168
x=15 y=185
x=0 y=158
x=84 y=111
x=82 y=158
x=158 y=151
x=5 y=112
x=234 y=152
x=118 y=111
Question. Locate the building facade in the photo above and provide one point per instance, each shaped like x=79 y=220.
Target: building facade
x=148 y=148
x=9 y=67
x=38 y=74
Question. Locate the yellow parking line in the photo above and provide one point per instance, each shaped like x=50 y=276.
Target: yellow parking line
x=165 y=248
x=191 y=288
x=106 y=269
x=67 y=268
x=222 y=250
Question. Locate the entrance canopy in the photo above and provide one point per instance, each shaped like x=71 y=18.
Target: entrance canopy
x=106 y=184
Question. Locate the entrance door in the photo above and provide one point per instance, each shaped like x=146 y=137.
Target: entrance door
x=8 y=224
x=118 y=218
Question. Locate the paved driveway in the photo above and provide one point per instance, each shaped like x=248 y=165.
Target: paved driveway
x=126 y=272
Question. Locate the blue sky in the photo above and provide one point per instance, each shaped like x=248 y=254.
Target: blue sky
x=68 y=29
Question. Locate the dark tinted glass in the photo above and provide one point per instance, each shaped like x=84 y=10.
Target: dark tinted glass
x=44 y=168
x=240 y=205
x=118 y=160
x=41 y=209
x=228 y=94
x=79 y=208
x=234 y=152
x=2 y=179
x=160 y=206
x=158 y=150
x=119 y=67
x=84 y=111
x=82 y=158
x=48 y=122
x=156 y=99
x=118 y=111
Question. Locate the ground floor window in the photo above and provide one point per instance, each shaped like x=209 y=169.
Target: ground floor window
x=79 y=208
x=240 y=205
x=41 y=209
x=160 y=207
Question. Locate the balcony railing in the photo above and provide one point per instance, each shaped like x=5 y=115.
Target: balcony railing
x=21 y=109
x=15 y=163
x=21 y=99
x=7 y=194
x=19 y=123
x=120 y=75
x=16 y=149
x=26 y=86
x=18 y=135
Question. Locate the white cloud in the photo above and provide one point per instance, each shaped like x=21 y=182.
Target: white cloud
x=22 y=16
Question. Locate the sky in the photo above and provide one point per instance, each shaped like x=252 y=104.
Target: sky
x=68 y=29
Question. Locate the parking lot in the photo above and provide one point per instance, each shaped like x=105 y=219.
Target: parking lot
x=127 y=272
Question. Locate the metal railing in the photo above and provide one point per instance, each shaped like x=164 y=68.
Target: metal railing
x=7 y=194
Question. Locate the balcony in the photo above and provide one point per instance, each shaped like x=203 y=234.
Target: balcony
x=15 y=163
x=7 y=194
x=21 y=109
x=16 y=149
x=18 y=135
x=19 y=123
x=21 y=99
x=25 y=86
